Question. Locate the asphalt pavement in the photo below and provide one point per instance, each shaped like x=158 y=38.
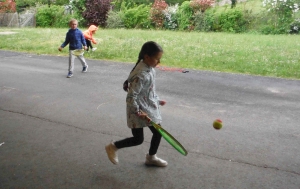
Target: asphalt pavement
x=53 y=129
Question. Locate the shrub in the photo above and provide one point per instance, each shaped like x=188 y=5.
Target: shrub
x=23 y=4
x=62 y=20
x=185 y=16
x=170 y=17
x=96 y=11
x=174 y=2
x=204 y=21
x=157 y=13
x=295 y=26
x=232 y=21
x=78 y=7
x=7 y=6
x=201 y=5
x=52 y=16
x=115 y=19
x=281 y=14
x=137 y=17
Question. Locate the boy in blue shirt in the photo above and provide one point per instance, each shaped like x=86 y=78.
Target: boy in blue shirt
x=75 y=39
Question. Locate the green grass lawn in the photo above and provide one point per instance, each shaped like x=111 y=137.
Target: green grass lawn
x=266 y=55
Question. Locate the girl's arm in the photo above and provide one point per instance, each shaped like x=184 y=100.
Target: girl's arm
x=87 y=35
x=94 y=41
x=134 y=90
x=162 y=102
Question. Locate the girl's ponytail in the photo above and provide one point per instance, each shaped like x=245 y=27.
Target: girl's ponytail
x=149 y=48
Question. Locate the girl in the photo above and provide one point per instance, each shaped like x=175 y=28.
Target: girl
x=88 y=35
x=141 y=101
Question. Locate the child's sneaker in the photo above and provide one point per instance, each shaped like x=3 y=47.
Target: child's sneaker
x=70 y=74
x=93 y=49
x=111 y=151
x=84 y=69
x=154 y=160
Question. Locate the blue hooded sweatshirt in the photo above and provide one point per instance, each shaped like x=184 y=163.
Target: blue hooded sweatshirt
x=75 y=39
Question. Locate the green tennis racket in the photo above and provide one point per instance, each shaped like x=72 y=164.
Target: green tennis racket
x=168 y=137
x=77 y=52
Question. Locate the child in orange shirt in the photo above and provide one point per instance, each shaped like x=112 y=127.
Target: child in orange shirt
x=88 y=35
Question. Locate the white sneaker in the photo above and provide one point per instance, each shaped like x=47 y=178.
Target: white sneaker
x=154 y=160
x=111 y=151
x=93 y=49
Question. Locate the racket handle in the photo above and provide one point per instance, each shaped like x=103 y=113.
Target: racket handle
x=146 y=117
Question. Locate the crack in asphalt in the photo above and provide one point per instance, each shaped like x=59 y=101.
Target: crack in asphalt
x=108 y=133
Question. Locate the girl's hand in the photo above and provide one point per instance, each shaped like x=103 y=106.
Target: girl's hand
x=141 y=114
x=162 y=102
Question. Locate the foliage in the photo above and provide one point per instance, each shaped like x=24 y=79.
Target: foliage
x=232 y=20
x=78 y=7
x=170 y=17
x=233 y=3
x=7 y=6
x=174 y=2
x=244 y=53
x=23 y=4
x=185 y=16
x=204 y=21
x=96 y=11
x=201 y=5
x=280 y=13
x=52 y=16
x=137 y=17
x=157 y=13
x=62 y=2
x=118 y=3
x=115 y=19
x=295 y=27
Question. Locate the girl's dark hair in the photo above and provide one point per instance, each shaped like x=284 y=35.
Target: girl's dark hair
x=149 y=48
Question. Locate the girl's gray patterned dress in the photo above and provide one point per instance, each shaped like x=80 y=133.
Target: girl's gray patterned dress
x=142 y=96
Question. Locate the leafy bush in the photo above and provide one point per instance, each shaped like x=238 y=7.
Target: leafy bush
x=96 y=11
x=170 y=17
x=157 y=13
x=232 y=20
x=137 y=17
x=118 y=3
x=185 y=16
x=62 y=20
x=204 y=21
x=295 y=27
x=52 y=16
x=201 y=5
x=22 y=4
x=115 y=19
x=7 y=6
x=78 y=7
x=281 y=15
x=174 y=2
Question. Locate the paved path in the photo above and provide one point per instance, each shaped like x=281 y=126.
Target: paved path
x=53 y=129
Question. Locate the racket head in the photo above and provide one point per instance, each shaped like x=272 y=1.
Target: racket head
x=77 y=52
x=170 y=139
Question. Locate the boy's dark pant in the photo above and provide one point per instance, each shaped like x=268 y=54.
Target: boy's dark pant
x=138 y=138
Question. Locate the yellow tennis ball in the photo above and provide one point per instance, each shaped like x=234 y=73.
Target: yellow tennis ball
x=217 y=124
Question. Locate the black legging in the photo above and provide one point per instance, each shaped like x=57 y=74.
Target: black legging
x=138 y=138
x=88 y=44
